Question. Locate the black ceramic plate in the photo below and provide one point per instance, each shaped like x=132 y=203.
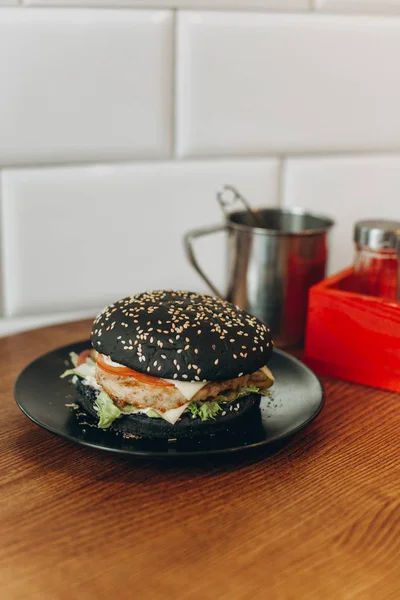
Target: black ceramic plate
x=296 y=399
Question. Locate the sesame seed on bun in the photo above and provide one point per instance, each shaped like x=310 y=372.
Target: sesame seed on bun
x=182 y=335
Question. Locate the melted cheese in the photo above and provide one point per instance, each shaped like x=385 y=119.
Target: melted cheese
x=171 y=415
x=268 y=373
x=188 y=389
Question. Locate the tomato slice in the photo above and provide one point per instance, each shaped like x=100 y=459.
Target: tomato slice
x=127 y=372
x=82 y=356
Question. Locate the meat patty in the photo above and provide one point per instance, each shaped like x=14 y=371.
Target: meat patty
x=127 y=390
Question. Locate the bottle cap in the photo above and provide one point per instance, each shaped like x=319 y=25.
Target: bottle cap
x=377 y=234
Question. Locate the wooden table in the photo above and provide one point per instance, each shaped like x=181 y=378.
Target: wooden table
x=318 y=518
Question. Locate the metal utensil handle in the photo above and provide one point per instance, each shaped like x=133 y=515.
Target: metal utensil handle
x=227 y=202
x=188 y=243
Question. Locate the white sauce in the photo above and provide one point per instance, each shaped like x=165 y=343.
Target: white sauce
x=110 y=362
x=89 y=380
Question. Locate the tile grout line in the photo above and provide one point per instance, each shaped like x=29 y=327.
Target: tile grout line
x=311 y=9
x=281 y=178
x=172 y=6
x=174 y=87
x=126 y=162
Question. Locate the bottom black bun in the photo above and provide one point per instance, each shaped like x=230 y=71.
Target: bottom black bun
x=187 y=426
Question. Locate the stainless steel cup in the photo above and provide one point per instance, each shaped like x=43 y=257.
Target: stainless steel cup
x=271 y=268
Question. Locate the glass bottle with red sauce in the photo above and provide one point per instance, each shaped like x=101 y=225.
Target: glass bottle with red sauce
x=376 y=263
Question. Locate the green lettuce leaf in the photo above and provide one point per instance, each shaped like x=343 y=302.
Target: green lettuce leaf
x=246 y=390
x=153 y=414
x=208 y=410
x=84 y=370
x=73 y=356
x=204 y=410
x=67 y=373
x=128 y=409
x=107 y=410
x=232 y=395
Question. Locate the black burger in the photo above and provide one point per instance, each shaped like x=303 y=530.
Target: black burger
x=173 y=364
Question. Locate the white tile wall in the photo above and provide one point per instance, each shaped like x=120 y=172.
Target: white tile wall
x=16 y=325
x=256 y=83
x=81 y=84
x=346 y=188
x=110 y=85
x=75 y=238
x=198 y=4
x=359 y=6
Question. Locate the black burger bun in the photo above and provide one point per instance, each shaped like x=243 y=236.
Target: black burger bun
x=182 y=335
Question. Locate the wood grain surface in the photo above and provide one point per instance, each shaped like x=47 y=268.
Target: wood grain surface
x=317 y=518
